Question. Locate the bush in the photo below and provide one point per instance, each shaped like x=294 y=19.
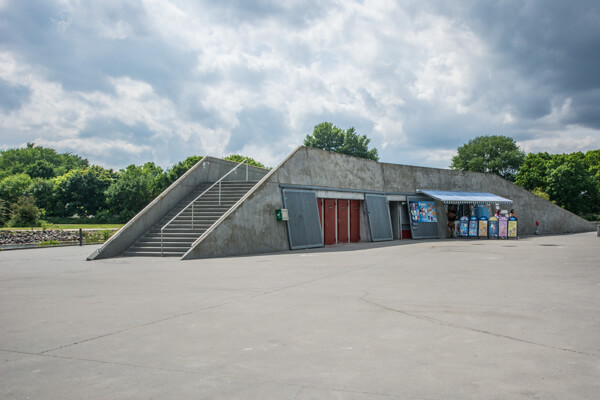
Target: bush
x=99 y=236
x=25 y=213
x=49 y=243
x=4 y=212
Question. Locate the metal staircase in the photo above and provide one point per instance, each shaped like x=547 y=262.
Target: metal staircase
x=174 y=234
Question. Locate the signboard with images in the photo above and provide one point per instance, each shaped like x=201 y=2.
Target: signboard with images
x=493 y=228
x=423 y=217
x=483 y=227
x=512 y=228
x=473 y=225
x=502 y=227
x=463 y=229
x=422 y=211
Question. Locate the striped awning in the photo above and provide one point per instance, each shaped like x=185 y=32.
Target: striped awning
x=448 y=197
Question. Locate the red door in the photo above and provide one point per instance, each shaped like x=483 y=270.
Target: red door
x=354 y=220
x=329 y=221
x=342 y=220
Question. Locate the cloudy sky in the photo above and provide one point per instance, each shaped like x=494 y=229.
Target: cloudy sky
x=131 y=81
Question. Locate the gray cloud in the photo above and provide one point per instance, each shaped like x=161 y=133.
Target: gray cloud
x=12 y=97
x=123 y=82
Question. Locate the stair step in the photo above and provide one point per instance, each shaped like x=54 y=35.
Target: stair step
x=165 y=240
x=171 y=249
x=178 y=236
x=129 y=253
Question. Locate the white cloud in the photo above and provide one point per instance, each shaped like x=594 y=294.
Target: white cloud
x=57 y=117
x=571 y=139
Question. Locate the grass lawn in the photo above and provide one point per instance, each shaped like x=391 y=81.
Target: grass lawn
x=66 y=226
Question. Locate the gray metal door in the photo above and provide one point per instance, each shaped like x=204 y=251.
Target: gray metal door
x=380 y=222
x=304 y=227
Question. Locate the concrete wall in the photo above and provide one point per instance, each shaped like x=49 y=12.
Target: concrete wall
x=250 y=227
x=528 y=207
x=209 y=169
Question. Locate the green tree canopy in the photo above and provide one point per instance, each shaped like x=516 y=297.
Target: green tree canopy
x=238 y=158
x=571 y=186
x=40 y=161
x=13 y=187
x=43 y=193
x=181 y=167
x=569 y=180
x=497 y=154
x=81 y=191
x=592 y=160
x=534 y=171
x=134 y=188
x=327 y=136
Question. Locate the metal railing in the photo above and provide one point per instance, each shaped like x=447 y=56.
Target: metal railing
x=200 y=195
x=135 y=219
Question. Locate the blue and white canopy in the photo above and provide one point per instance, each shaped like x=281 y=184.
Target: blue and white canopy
x=448 y=197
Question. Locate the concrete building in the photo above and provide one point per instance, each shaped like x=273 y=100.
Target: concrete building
x=219 y=208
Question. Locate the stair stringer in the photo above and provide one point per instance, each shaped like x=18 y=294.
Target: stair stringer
x=253 y=214
x=208 y=169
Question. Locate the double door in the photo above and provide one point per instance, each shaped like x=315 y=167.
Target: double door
x=340 y=220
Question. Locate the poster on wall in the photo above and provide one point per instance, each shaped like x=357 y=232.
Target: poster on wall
x=422 y=211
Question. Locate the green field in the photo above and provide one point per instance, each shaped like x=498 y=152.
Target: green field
x=65 y=226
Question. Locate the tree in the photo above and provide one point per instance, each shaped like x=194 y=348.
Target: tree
x=4 y=212
x=40 y=169
x=571 y=186
x=14 y=186
x=43 y=193
x=592 y=160
x=327 y=136
x=238 y=158
x=22 y=160
x=182 y=167
x=134 y=188
x=81 y=191
x=534 y=171
x=25 y=213
x=497 y=154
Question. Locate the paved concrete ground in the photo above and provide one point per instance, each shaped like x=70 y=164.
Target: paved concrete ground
x=423 y=320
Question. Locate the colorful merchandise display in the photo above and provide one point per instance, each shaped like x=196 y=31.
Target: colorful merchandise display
x=464 y=227
x=502 y=227
x=483 y=227
x=493 y=228
x=473 y=227
x=512 y=228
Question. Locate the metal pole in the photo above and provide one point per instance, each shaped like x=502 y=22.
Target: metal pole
x=193 y=215
x=246 y=170
x=80 y=237
x=161 y=241
x=219 y=192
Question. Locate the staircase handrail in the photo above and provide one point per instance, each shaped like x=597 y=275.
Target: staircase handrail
x=135 y=219
x=200 y=195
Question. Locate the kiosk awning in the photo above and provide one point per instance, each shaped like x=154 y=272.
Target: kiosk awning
x=448 y=197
